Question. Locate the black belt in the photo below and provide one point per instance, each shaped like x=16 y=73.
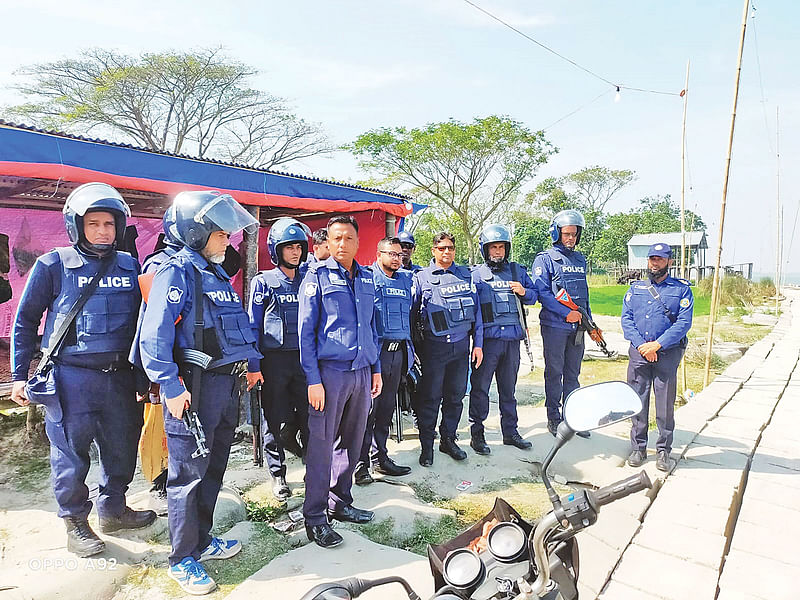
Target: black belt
x=393 y=345
x=236 y=368
x=112 y=367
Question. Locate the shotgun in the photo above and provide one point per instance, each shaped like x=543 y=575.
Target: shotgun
x=586 y=321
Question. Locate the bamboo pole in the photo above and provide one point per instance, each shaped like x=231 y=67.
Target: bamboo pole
x=683 y=204
x=778 y=213
x=715 y=285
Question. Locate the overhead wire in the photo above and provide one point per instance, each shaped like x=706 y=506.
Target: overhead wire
x=617 y=86
x=580 y=108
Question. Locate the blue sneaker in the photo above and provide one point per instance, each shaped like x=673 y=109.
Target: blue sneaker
x=192 y=577
x=219 y=549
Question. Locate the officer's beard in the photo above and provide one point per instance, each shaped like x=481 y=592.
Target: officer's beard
x=216 y=259
x=495 y=264
x=658 y=274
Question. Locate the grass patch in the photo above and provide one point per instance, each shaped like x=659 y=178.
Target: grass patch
x=424 y=532
x=264 y=545
x=261 y=505
x=607 y=300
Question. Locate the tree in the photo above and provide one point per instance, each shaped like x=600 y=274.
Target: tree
x=656 y=214
x=531 y=236
x=588 y=191
x=472 y=171
x=182 y=102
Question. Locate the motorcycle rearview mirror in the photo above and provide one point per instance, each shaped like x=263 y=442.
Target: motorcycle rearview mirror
x=353 y=587
x=600 y=405
x=588 y=408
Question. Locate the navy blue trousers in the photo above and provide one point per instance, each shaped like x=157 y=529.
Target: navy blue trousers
x=501 y=360
x=445 y=366
x=379 y=422
x=101 y=407
x=193 y=483
x=284 y=399
x=335 y=435
x=662 y=377
x=562 y=366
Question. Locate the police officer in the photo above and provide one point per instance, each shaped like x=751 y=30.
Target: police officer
x=339 y=354
x=408 y=245
x=446 y=306
x=656 y=316
x=204 y=222
x=319 y=250
x=273 y=315
x=393 y=306
x=499 y=283
x=561 y=267
x=94 y=380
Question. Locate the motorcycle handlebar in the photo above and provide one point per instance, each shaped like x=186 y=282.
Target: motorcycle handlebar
x=620 y=489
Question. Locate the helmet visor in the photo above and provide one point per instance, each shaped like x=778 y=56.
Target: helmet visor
x=228 y=215
x=569 y=217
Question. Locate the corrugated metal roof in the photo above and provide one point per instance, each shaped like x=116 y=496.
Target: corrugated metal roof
x=208 y=160
x=673 y=238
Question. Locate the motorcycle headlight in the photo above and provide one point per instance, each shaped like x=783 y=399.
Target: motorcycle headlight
x=506 y=541
x=463 y=568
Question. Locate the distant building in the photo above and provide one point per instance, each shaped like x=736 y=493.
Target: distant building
x=696 y=246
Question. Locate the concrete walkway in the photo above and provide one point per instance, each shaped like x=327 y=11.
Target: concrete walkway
x=722 y=525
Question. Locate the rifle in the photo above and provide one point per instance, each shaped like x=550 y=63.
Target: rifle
x=523 y=319
x=586 y=321
x=195 y=427
x=255 y=417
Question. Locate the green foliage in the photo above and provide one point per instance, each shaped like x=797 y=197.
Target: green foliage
x=472 y=172
x=735 y=290
x=657 y=214
x=530 y=238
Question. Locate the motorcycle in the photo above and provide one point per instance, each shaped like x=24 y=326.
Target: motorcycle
x=502 y=556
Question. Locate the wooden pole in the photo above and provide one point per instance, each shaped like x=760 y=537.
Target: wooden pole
x=683 y=204
x=778 y=213
x=250 y=255
x=715 y=285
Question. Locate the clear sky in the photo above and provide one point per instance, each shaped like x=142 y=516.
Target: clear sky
x=356 y=65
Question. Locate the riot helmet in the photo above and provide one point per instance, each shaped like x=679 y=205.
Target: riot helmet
x=198 y=214
x=170 y=231
x=95 y=197
x=564 y=219
x=491 y=234
x=287 y=231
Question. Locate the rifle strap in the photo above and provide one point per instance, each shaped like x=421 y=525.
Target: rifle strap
x=656 y=296
x=61 y=332
x=515 y=277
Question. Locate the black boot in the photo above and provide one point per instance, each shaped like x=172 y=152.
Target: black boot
x=426 y=456
x=129 y=519
x=449 y=447
x=81 y=540
x=478 y=443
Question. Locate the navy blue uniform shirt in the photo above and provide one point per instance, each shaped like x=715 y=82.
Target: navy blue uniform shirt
x=497 y=283
x=337 y=319
x=644 y=319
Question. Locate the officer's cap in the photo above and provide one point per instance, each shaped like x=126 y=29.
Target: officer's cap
x=660 y=249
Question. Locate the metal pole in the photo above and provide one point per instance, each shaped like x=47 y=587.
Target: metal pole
x=715 y=285
x=250 y=258
x=683 y=204
x=778 y=213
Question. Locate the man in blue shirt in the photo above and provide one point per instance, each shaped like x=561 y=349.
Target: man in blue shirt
x=561 y=267
x=339 y=355
x=499 y=283
x=393 y=311
x=446 y=309
x=407 y=245
x=656 y=316
x=273 y=314
x=193 y=321
x=319 y=246
x=96 y=390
